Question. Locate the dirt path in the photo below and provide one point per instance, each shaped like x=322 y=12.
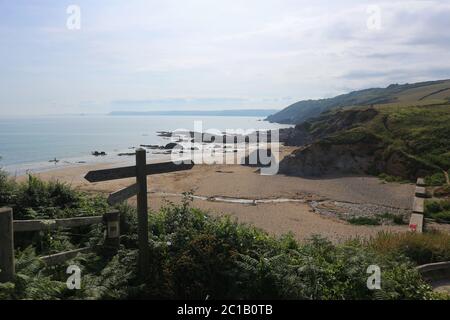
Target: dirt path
x=441 y=286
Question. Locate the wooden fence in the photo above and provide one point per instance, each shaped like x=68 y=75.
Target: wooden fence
x=9 y=226
x=435 y=271
x=140 y=171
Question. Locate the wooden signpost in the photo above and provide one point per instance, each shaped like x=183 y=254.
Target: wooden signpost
x=140 y=171
x=123 y=194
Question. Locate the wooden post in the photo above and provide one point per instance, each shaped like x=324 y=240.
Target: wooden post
x=112 y=229
x=7 y=269
x=142 y=211
x=140 y=171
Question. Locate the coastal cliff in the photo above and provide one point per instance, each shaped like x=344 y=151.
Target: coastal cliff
x=405 y=141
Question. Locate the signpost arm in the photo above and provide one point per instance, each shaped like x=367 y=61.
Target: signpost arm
x=142 y=211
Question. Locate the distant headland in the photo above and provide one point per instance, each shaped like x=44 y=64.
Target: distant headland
x=214 y=113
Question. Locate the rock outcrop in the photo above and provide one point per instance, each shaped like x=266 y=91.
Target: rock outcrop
x=357 y=141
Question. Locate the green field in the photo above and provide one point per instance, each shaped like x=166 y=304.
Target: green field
x=427 y=93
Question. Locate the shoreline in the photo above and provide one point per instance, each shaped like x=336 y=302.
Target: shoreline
x=155 y=152
x=34 y=148
x=21 y=169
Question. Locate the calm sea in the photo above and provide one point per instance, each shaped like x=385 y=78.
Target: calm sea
x=29 y=143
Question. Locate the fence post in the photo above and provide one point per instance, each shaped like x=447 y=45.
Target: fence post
x=142 y=210
x=112 y=229
x=7 y=269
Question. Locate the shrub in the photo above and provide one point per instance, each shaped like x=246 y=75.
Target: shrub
x=389 y=178
x=445 y=204
x=438 y=210
x=398 y=220
x=437 y=179
x=37 y=199
x=421 y=248
x=443 y=191
x=7 y=189
x=395 y=218
x=432 y=207
x=194 y=255
x=443 y=216
x=40 y=196
x=364 y=221
x=31 y=282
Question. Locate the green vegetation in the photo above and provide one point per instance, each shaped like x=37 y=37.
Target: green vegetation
x=353 y=136
x=438 y=210
x=194 y=255
x=418 y=93
x=365 y=221
x=416 y=136
x=421 y=248
x=402 y=131
x=389 y=178
x=396 y=143
x=36 y=199
x=443 y=191
x=395 y=218
x=377 y=219
x=437 y=179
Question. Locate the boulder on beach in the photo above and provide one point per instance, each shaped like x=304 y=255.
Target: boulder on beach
x=152 y=146
x=166 y=134
x=98 y=153
x=171 y=145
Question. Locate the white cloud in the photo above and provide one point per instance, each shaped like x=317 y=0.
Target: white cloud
x=259 y=51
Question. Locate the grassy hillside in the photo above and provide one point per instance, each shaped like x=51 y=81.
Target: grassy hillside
x=419 y=93
x=402 y=140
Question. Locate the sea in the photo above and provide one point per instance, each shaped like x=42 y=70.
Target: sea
x=29 y=144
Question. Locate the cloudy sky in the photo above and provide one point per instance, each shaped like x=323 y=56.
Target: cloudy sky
x=211 y=54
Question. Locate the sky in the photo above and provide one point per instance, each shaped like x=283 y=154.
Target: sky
x=143 y=55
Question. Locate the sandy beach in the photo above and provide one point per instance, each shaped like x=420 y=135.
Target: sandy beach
x=234 y=182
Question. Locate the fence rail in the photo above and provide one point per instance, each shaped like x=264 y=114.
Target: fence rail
x=140 y=171
x=8 y=227
x=39 y=225
x=62 y=257
x=434 y=266
x=435 y=271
